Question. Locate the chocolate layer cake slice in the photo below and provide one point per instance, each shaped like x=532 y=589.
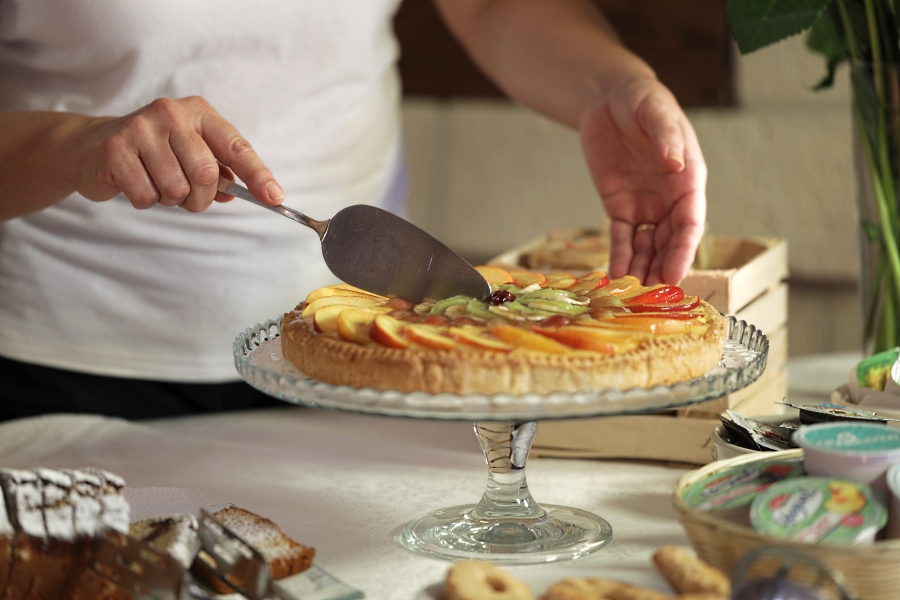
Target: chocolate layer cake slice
x=52 y=516
x=7 y=533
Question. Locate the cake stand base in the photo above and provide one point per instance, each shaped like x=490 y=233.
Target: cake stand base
x=560 y=533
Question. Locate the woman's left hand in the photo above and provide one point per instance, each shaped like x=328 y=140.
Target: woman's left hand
x=645 y=160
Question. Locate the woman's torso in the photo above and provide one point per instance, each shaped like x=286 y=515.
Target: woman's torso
x=160 y=294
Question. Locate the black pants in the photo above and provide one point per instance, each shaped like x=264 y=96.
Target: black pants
x=28 y=390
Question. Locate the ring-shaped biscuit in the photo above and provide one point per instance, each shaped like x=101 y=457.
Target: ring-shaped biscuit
x=481 y=580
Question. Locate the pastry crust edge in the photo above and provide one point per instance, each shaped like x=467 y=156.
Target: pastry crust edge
x=657 y=361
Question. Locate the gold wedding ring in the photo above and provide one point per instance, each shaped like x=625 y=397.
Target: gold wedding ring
x=645 y=227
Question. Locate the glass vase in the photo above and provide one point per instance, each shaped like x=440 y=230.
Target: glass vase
x=876 y=113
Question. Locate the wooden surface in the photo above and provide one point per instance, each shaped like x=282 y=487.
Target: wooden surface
x=658 y=437
x=687 y=42
x=742 y=270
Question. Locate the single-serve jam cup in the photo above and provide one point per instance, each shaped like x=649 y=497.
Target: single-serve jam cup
x=861 y=452
x=819 y=510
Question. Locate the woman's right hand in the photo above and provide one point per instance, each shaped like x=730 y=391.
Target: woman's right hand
x=169 y=152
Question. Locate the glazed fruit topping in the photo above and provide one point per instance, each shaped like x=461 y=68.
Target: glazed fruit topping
x=552 y=313
x=500 y=296
x=658 y=295
x=686 y=303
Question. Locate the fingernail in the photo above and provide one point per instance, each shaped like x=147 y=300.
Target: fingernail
x=673 y=155
x=274 y=191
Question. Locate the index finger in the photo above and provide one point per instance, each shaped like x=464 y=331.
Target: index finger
x=236 y=153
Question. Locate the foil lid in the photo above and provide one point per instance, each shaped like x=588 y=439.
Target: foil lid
x=817 y=510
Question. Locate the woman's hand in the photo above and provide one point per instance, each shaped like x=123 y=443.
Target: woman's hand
x=645 y=160
x=563 y=59
x=169 y=152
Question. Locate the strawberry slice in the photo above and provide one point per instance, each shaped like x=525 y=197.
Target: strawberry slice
x=664 y=294
x=685 y=304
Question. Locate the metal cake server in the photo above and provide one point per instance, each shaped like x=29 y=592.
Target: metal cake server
x=379 y=252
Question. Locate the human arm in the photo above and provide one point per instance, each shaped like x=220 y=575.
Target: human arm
x=562 y=58
x=168 y=152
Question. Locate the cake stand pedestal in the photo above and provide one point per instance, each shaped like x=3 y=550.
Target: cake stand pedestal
x=507 y=525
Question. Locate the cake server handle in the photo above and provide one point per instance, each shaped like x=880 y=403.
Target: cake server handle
x=226 y=186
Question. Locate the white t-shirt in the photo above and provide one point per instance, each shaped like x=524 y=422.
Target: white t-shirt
x=162 y=293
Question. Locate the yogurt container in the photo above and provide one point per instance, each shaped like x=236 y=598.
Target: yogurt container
x=893 y=484
x=860 y=452
x=816 y=510
x=736 y=487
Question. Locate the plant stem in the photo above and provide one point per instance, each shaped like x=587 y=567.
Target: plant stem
x=870 y=330
x=888 y=246
x=848 y=31
x=878 y=157
x=874 y=46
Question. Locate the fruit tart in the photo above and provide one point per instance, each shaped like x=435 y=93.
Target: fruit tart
x=539 y=333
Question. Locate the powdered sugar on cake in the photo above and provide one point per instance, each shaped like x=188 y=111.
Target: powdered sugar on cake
x=59 y=515
x=22 y=490
x=63 y=504
x=175 y=536
x=6 y=528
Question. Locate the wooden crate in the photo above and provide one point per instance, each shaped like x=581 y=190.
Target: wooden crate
x=664 y=437
x=750 y=282
x=744 y=277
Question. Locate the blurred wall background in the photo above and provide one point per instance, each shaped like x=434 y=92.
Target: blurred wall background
x=487 y=175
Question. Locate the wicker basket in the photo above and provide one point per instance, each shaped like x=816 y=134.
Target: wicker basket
x=872 y=570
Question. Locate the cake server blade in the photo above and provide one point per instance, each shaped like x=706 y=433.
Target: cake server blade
x=379 y=252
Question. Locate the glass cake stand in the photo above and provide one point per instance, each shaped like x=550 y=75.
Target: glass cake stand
x=507 y=525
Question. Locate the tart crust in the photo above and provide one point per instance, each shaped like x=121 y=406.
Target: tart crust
x=663 y=360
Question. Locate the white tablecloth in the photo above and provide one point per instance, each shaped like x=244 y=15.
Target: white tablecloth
x=346 y=484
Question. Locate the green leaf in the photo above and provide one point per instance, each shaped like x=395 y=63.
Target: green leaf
x=827 y=38
x=759 y=23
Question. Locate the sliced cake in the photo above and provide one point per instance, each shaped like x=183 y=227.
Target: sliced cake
x=284 y=556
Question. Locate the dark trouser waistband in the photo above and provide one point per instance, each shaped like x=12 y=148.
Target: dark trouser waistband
x=28 y=390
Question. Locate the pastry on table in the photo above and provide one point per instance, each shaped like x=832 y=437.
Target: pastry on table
x=172 y=535
x=47 y=525
x=688 y=574
x=538 y=333
x=482 y=580
x=50 y=517
x=284 y=556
